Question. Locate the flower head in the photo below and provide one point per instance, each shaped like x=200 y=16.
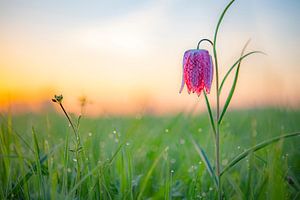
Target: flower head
x=197 y=71
x=58 y=98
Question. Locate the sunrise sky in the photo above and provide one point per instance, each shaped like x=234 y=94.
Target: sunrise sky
x=126 y=56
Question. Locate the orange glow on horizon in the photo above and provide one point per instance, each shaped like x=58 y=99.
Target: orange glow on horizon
x=131 y=62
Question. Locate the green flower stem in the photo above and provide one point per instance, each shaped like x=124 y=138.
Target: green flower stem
x=218 y=102
x=69 y=119
x=77 y=145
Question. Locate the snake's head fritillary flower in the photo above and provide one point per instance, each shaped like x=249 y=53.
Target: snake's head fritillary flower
x=197 y=71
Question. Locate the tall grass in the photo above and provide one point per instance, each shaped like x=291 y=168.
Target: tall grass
x=139 y=158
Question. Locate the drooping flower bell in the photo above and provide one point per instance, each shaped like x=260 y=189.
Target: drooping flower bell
x=197 y=71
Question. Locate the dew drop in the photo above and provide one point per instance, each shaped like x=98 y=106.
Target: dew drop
x=224 y=162
x=181 y=141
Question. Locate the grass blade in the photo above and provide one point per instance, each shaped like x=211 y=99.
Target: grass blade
x=109 y=162
x=38 y=165
x=215 y=42
x=210 y=113
x=28 y=175
x=256 y=148
x=204 y=158
x=220 y=20
x=231 y=68
x=229 y=97
x=238 y=62
x=144 y=184
x=66 y=163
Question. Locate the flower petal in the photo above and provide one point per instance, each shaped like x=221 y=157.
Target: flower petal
x=182 y=82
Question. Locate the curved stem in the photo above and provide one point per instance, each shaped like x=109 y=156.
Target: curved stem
x=207 y=40
x=218 y=101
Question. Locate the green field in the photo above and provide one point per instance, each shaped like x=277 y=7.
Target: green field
x=147 y=157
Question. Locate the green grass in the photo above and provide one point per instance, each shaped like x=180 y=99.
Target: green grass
x=143 y=157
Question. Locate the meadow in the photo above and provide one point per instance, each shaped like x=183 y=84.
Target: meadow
x=147 y=157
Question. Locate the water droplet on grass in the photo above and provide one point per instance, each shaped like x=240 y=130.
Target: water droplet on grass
x=172 y=171
x=224 y=162
x=181 y=141
x=166 y=130
x=210 y=188
x=74 y=159
x=199 y=130
x=90 y=134
x=238 y=147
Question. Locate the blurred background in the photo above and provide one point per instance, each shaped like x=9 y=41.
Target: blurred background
x=125 y=57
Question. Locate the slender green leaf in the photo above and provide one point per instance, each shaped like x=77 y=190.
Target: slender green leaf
x=37 y=163
x=65 y=162
x=238 y=62
x=220 y=20
x=237 y=190
x=256 y=148
x=28 y=175
x=229 y=97
x=17 y=134
x=231 y=68
x=215 y=41
x=36 y=144
x=210 y=113
x=144 y=184
x=204 y=158
x=91 y=172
